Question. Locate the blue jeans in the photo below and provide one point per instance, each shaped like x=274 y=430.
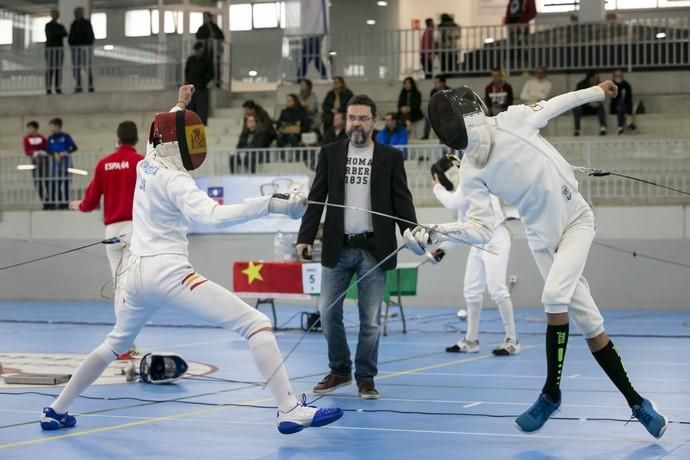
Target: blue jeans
x=334 y=281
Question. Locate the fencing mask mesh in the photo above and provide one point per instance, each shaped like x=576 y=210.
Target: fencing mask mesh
x=447 y=110
x=160 y=368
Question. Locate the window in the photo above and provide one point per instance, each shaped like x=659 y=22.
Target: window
x=137 y=23
x=172 y=22
x=241 y=17
x=196 y=19
x=6 y=30
x=99 y=23
x=265 y=15
x=38 y=28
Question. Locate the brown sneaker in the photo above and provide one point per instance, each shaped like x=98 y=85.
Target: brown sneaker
x=331 y=382
x=367 y=390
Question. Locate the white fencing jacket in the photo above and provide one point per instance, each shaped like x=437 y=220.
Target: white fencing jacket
x=525 y=171
x=167 y=199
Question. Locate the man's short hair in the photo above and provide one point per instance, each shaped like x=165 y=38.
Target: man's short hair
x=307 y=81
x=198 y=46
x=441 y=78
x=127 y=133
x=32 y=124
x=363 y=99
x=249 y=104
x=56 y=121
x=393 y=115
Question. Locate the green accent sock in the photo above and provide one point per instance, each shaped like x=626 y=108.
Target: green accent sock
x=609 y=360
x=556 y=343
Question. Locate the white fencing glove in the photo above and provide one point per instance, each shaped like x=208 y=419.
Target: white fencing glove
x=293 y=205
x=418 y=239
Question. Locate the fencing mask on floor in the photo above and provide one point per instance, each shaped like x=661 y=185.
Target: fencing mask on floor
x=160 y=368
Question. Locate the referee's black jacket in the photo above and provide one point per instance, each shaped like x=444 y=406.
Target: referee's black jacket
x=389 y=195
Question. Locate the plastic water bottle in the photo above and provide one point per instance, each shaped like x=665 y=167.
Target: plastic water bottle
x=289 y=240
x=278 y=246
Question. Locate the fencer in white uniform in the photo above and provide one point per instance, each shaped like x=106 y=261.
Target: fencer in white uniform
x=159 y=273
x=506 y=156
x=483 y=271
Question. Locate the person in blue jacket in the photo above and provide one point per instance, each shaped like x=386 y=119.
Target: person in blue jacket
x=394 y=133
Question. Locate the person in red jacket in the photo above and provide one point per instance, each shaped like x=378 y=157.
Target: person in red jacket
x=114 y=179
x=35 y=147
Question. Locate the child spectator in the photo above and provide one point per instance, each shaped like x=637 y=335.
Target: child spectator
x=536 y=88
x=35 y=147
x=622 y=104
x=498 y=93
x=60 y=148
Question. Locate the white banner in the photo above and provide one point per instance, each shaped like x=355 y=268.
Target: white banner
x=235 y=189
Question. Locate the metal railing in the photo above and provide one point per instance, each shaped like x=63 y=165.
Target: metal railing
x=666 y=162
x=141 y=63
x=105 y=67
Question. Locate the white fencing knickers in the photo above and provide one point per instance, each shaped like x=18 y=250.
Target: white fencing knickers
x=486 y=270
x=565 y=289
x=169 y=280
x=118 y=253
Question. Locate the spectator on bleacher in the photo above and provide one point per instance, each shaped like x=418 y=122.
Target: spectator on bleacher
x=518 y=15
x=114 y=179
x=498 y=94
x=394 y=133
x=35 y=147
x=81 y=40
x=198 y=71
x=335 y=101
x=254 y=136
x=55 y=52
x=336 y=132
x=60 y=149
x=262 y=118
x=426 y=53
x=311 y=50
x=536 y=88
x=213 y=37
x=293 y=121
x=410 y=107
x=622 y=104
x=593 y=108
x=449 y=49
x=439 y=85
x=309 y=101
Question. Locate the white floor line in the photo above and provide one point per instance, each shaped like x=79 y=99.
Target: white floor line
x=522 y=376
x=474 y=404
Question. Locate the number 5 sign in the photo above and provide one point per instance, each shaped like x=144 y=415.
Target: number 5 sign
x=311 y=278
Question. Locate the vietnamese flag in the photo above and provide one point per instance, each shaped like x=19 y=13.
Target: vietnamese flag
x=273 y=277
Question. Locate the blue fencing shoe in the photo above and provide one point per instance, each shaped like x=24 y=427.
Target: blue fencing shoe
x=51 y=420
x=650 y=418
x=303 y=416
x=536 y=416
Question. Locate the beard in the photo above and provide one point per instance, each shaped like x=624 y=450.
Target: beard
x=358 y=136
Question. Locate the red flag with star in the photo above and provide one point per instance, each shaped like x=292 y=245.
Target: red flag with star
x=276 y=277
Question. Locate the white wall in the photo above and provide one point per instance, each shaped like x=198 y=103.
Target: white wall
x=618 y=280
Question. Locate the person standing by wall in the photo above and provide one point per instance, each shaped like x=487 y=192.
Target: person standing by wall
x=60 y=149
x=35 y=147
x=213 y=38
x=426 y=53
x=55 y=52
x=198 y=71
x=367 y=175
x=114 y=179
x=81 y=40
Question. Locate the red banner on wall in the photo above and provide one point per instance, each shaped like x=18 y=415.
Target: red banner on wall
x=275 y=277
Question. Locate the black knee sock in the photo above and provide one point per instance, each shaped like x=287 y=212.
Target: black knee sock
x=609 y=360
x=556 y=342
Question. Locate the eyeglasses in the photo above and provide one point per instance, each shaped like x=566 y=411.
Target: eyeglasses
x=361 y=118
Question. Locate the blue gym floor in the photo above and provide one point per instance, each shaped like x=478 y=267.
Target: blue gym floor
x=449 y=406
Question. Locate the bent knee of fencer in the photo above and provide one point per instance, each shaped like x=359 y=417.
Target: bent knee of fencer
x=251 y=323
x=588 y=322
x=555 y=308
x=555 y=295
x=118 y=341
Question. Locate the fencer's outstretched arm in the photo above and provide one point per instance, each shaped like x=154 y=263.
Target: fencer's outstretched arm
x=197 y=206
x=543 y=111
x=480 y=220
